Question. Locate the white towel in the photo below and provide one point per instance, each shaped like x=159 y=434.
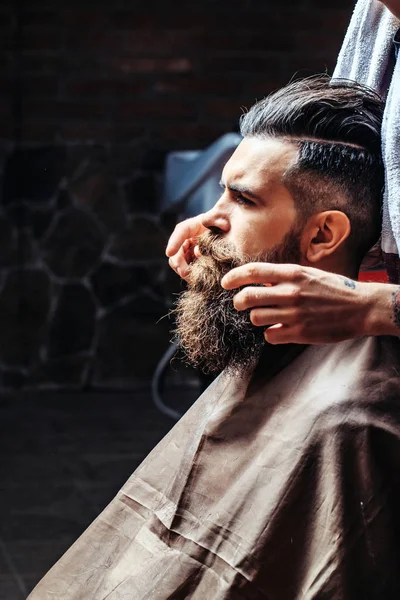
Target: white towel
x=367 y=56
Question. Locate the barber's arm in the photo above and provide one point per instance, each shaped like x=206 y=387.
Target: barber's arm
x=305 y=305
x=301 y=305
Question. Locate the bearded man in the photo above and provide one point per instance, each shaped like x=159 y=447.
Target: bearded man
x=282 y=481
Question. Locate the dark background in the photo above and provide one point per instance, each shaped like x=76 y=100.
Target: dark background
x=94 y=94
x=93 y=97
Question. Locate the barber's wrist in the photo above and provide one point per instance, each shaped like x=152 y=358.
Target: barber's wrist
x=383 y=309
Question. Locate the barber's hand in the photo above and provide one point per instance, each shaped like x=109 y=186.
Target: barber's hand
x=181 y=248
x=304 y=305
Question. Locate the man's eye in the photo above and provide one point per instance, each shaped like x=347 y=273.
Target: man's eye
x=242 y=200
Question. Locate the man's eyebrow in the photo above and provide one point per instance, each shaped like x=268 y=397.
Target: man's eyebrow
x=242 y=189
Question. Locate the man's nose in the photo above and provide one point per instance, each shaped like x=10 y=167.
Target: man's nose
x=216 y=218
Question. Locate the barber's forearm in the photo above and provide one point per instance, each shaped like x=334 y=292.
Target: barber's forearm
x=384 y=314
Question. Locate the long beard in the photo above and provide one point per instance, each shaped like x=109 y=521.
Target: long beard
x=212 y=333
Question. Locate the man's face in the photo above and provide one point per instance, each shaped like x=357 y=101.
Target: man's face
x=259 y=224
x=255 y=210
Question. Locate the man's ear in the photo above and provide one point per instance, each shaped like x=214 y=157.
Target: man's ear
x=324 y=233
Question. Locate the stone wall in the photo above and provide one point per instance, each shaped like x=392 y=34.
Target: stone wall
x=84 y=278
x=93 y=97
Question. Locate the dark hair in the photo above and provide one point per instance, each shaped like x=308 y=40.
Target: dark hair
x=337 y=128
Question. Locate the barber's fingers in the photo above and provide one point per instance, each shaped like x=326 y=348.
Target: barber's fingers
x=196 y=251
x=306 y=332
x=263 y=317
x=278 y=295
x=297 y=334
x=185 y=230
x=285 y=334
x=179 y=262
x=263 y=273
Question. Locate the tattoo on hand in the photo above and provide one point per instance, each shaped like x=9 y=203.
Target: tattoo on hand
x=396 y=307
x=349 y=282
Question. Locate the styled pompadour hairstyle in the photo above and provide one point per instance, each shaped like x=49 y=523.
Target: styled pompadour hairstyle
x=337 y=128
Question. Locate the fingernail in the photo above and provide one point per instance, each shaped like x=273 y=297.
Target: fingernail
x=223 y=281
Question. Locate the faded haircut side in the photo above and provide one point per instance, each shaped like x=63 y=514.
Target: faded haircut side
x=337 y=128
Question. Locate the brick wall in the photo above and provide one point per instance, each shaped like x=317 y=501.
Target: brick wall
x=93 y=96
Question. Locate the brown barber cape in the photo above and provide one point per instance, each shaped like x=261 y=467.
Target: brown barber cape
x=281 y=485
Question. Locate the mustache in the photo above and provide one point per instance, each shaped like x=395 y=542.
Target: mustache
x=211 y=245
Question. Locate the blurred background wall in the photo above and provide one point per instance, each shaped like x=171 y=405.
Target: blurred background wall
x=94 y=95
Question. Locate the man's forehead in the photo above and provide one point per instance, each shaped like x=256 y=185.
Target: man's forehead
x=260 y=159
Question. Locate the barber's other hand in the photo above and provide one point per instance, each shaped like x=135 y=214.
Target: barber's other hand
x=181 y=248
x=304 y=305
